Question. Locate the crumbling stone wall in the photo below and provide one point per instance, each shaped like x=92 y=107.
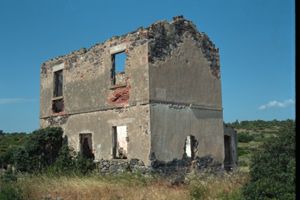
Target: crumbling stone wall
x=170 y=89
x=87 y=83
x=185 y=91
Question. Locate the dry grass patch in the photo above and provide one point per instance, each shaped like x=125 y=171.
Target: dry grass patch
x=210 y=187
x=131 y=187
x=95 y=187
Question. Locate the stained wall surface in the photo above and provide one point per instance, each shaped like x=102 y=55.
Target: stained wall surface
x=92 y=104
x=170 y=126
x=185 y=77
x=170 y=89
x=185 y=95
x=87 y=79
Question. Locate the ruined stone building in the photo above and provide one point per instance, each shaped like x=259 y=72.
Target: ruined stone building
x=154 y=93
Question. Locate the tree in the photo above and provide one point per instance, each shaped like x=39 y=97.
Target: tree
x=273 y=167
x=40 y=150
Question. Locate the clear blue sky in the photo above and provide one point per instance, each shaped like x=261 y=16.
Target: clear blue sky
x=256 y=39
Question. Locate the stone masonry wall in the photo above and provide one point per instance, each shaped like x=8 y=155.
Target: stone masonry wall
x=171 y=79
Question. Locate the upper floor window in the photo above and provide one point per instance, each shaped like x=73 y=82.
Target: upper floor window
x=118 y=67
x=58 y=100
x=58 y=83
x=118 y=60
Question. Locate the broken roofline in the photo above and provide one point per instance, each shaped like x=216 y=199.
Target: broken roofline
x=151 y=33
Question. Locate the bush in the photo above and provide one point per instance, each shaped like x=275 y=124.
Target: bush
x=70 y=162
x=243 y=151
x=64 y=162
x=39 y=151
x=8 y=188
x=45 y=150
x=8 y=143
x=10 y=192
x=272 y=168
x=245 y=137
x=84 y=165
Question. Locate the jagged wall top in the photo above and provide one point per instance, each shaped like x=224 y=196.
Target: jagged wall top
x=163 y=37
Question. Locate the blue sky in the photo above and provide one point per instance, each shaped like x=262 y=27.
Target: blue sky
x=256 y=39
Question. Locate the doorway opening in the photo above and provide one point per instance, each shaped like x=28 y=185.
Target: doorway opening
x=227 y=148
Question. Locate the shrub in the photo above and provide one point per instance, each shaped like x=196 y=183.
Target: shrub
x=39 y=151
x=8 y=143
x=245 y=137
x=8 y=188
x=243 y=151
x=272 y=168
x=84 y=165
x=10 y=192
x=70 y=162
x=64 y=162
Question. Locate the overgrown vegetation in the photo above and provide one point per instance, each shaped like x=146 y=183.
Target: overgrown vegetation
x=252 y=134
x=8 y=143
x=41 y=152
x=273 y=168
x=46 y=168
x=9 y=190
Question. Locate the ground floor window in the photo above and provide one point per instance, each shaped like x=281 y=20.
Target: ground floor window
x=120 y=140
x=190 y=147
x=86 y=146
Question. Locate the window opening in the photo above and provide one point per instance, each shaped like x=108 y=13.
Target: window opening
x=190 y=147
x=86 y=147
x=227 y=148
x=57 y=101
x=58 y=83
x=120 y=140
x=118 y=65
x=57 y=105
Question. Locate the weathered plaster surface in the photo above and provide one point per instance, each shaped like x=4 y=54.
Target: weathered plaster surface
x=170 y=127
x=171 y=88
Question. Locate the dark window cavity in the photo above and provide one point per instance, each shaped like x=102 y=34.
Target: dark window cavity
x=227 y=148
x=86 y=146
x=58 y=83
x=57 y=105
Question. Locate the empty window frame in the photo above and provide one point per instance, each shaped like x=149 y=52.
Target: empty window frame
x=58 y=83
x=86 y=145
x=120 y=140
x=228 y=150
x=57 y=101
x=57 y=105
x=190 y=147
x=118 y=65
